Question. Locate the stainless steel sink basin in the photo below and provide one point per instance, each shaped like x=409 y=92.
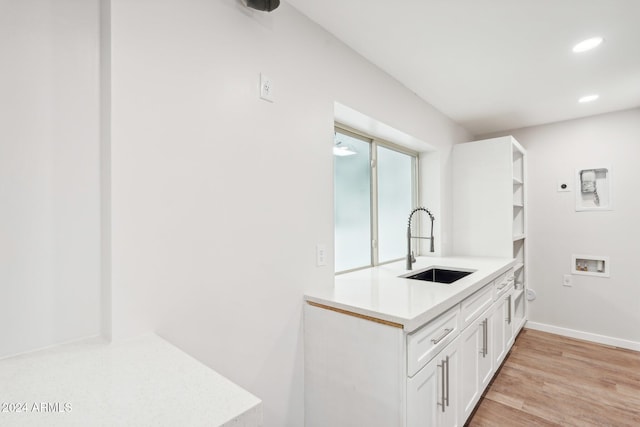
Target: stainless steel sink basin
x=439 y=275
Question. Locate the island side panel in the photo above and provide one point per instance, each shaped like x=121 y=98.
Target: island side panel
x=355 y=371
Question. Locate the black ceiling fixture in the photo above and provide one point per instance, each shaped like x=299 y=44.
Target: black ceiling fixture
x=264 y=5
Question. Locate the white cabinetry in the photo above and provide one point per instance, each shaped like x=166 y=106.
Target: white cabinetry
x=476 y=367
x=364 y=371
x=427 y=341
x=432 y=394
x=502 y=327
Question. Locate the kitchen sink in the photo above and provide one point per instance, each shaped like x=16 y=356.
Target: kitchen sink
x=439 y=275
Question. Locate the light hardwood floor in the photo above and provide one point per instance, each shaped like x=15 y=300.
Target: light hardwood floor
x=550 y=380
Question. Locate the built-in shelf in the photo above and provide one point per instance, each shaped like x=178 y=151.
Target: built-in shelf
x=482 y=169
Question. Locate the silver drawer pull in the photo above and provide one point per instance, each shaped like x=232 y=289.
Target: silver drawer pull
x=441 y=337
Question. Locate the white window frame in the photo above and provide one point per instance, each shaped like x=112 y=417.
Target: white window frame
x=375 y=142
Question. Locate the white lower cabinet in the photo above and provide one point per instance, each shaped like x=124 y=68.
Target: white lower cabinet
x=476 y=362
x=432 y=393
x=518 y=311
x=501 y=320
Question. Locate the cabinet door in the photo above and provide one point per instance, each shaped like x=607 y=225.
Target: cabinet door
x=451 y=416
x=432 y=394
x=502 y=326
x=498 y=331
x=475 y=363
x=471 y=341
x=486 y=366
x=509 y=336
x=425 y=395
x=518 y=310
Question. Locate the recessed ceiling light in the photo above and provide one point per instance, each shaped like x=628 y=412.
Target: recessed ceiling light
x=588 y=98
x=588 y=44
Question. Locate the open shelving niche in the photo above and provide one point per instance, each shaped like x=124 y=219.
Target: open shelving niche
x=519 y=230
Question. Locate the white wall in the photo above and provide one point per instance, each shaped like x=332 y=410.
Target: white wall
x=602 y=309
x=219 y=198
x=49 y=176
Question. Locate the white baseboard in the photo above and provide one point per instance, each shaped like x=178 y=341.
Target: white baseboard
x=587 y=336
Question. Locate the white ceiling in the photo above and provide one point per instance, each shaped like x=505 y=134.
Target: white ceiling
x=494 y=65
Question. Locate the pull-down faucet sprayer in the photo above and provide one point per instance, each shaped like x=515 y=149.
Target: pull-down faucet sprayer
x=410 y=258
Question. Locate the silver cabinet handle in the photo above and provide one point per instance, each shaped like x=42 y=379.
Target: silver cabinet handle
x=503 y=285
x=509 y=313
x=447 y=361
x=441 y=337
x=485 y=339
x=484 y=335
x=441 y=366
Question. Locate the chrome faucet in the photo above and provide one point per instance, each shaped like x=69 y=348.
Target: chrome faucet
x=410 y=258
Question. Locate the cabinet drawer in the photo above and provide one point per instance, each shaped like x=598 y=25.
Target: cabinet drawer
x=427 y=341
x=504 y=283
x=472 y=306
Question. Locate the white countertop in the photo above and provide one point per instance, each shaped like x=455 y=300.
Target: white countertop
x=378 y=292
x=143 y=382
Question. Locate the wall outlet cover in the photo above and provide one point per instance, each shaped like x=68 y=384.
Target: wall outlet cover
x=266 y=88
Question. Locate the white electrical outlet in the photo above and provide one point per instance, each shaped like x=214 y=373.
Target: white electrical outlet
x=266 y=88
x=567 y=280
x=321 y=255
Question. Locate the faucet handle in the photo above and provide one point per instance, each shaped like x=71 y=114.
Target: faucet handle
x=413 y=259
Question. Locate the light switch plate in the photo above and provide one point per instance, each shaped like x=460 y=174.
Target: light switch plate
x=567 y=281
x=321 y=255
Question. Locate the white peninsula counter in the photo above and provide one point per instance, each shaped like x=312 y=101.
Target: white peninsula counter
x=142 y=382
x=380 y=293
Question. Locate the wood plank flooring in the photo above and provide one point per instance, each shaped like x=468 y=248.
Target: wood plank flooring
x=550 y=380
